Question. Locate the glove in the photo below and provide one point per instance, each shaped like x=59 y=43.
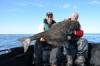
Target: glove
x=68 y=37
x=42 y=39
x=78 y=33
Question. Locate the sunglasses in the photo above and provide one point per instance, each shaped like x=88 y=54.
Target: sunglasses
x=50 y=16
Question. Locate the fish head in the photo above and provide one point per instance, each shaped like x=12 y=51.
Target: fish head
x=25 y=43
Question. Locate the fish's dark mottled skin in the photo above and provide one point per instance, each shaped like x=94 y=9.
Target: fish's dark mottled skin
x=56 y=35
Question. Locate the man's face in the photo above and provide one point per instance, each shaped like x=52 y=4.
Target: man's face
x=49 y=19
x=74 y=17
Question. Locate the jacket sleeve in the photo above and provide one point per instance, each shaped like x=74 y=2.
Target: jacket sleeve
x=41 y=28
x=78 y=32
x=78 y=26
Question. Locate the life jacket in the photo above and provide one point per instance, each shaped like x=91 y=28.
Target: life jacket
x=48 y=26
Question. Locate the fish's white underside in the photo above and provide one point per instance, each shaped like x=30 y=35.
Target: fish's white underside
x=25 y=44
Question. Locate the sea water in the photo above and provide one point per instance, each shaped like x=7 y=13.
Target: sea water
x=11 y=40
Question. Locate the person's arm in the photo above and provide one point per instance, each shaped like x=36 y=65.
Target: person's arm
x=78 y=32
x=75 y=29
x=41 y=28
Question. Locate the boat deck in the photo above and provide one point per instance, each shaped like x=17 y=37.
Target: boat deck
x=16 y=57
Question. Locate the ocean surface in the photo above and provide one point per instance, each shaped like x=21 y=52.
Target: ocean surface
x=8 y=41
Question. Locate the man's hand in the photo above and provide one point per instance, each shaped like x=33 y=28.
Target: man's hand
x=42 y=39
x=68 y=37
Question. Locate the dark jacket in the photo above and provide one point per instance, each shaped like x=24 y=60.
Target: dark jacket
x=76 y=27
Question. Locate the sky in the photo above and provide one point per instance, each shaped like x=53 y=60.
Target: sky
x=25 y=16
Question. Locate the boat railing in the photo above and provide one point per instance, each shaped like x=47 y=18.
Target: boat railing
x=5 y=51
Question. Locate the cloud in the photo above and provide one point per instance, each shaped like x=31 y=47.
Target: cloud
x=29 y=3
x=73 y=7
x=95 y=2
x=18 y=6
x=66 y=5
